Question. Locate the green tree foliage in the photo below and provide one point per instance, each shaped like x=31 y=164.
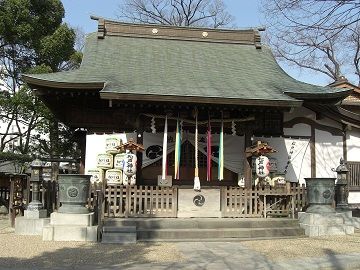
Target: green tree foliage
x=33 y=39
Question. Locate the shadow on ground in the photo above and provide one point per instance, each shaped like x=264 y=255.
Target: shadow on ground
x=96 y=256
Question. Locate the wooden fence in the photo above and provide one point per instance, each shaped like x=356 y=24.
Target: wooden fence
x=261 y=202
x=354 y=175
x=137 y=201
x=153 y=201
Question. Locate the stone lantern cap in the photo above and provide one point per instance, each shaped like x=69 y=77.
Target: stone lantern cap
x=342 y=167
x=36 y=163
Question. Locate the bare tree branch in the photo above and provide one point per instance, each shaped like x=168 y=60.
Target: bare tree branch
x=206 y=13
x=315 y=35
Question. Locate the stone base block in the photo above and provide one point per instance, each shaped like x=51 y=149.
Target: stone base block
x=72 y=219
x=25 y=226
x=316 y=224
x=70 y=233
x=35 y=214
x=320 y=219
x=316 y=230
x=355 y=222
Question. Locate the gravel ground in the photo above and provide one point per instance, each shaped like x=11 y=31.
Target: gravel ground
x=30 y=252
x=17 y=251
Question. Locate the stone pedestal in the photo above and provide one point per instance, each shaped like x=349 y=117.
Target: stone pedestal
x=204 y=203
x=70 y=227
x=320 y=224
x=32 y=222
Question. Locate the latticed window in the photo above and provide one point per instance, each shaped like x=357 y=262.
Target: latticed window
x=269 y=123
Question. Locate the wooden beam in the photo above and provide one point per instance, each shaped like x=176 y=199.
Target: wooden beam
x=248 y=160
x=139 y=140
x=344 y=142
x=313 y=152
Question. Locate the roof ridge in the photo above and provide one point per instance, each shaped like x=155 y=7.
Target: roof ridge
x=109 y=27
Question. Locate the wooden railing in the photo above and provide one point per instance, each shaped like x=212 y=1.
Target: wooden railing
x=354 y=175
x=137 y=201
x=262 y=202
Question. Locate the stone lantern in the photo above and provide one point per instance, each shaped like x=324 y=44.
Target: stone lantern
x=341 y=187
x=35 y=179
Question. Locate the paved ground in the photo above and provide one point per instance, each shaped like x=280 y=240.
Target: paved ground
x=30 y=252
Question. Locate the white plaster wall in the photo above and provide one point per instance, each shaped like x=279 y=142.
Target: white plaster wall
x=354 y=197
x=353 y=144
x=299 y=167
x=328 y=149
x=95 y=144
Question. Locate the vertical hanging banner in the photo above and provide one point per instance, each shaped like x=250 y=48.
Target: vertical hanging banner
x=164 y=157
x=221 y=154
x=208 y=150
x=177 y=150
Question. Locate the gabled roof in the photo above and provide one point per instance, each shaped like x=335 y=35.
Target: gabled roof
x=179 y=64
x=354 y=97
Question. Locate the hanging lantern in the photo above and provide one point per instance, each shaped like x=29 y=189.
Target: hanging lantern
x=262 y=166
x=130 y=164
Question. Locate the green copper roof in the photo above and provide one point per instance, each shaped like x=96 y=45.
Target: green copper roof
x=133 y=67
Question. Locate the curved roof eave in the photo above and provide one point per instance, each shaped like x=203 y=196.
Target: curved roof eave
x=339 y=95
x=35 y=81
x=202 y=99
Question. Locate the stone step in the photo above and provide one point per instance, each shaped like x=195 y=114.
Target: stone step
x=220 y=239
x=219 y=233
x=115 y=229
x=201 y=223
x=119 y=238
x=116 y=234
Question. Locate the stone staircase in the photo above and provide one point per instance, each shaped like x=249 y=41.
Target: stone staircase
x=198 y=229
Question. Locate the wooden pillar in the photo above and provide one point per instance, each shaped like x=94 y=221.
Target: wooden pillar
x=139 y=140
x=344 y=142
x=248 y=160
x=313 y=152
x=82 y=146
